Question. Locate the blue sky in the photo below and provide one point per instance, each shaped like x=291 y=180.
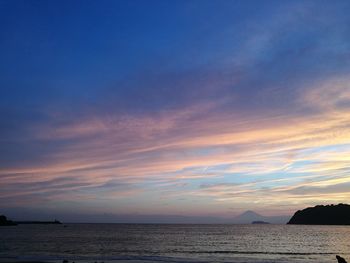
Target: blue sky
x=203 y=108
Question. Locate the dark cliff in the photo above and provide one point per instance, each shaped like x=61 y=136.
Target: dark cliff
x=322 y=215
x=5 y=222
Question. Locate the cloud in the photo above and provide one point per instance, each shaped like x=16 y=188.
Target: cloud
x=265 y=123
x=126 y=156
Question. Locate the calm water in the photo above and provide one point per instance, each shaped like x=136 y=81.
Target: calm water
x=175 y=243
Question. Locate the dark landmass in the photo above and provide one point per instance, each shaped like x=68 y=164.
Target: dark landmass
x=5 y=222
x=260 y=223
x=38 y=222
x=322 y=215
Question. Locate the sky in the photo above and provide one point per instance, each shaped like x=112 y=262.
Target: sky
x=187 y=108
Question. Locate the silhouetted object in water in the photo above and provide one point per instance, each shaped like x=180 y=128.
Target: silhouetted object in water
x=65 y=261
x=5 y=222
x=322 y=215
x=39 y=222
x=340 y=259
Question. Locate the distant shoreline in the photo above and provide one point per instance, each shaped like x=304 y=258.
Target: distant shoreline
x=55 y=222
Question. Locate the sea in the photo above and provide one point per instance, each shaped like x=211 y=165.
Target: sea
x=174 y=243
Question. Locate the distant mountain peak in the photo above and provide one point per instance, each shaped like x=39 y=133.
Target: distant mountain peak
x=250 y=213
x=250 y=216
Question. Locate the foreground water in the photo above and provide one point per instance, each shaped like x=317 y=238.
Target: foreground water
x=175 y=243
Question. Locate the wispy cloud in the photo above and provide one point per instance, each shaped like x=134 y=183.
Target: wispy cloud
x=264 y=123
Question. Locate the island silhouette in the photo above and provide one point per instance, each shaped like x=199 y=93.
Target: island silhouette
x=322 y=215
x=5 y=222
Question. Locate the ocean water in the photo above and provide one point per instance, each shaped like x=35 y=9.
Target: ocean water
x=174 y=243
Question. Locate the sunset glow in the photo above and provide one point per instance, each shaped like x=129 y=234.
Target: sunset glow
x=173 y=109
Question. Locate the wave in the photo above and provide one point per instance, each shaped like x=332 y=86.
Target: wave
x=99 y=259
x=260 y=252
x=157 y=258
